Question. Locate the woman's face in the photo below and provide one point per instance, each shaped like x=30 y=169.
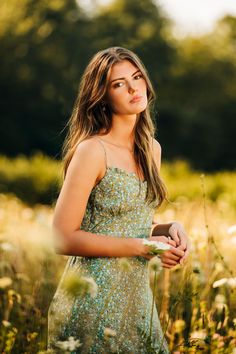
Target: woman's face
x=126 y=83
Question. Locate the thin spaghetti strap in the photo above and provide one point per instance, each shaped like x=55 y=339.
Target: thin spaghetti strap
x=103 y=149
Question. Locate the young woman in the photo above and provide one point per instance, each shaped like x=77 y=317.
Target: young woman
x=105 y=210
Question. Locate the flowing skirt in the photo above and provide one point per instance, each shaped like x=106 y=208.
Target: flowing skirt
x=104 y=305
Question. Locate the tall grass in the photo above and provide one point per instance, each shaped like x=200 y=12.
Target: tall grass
x=196 y=303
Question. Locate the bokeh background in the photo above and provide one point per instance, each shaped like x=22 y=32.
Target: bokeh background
x=189 y=50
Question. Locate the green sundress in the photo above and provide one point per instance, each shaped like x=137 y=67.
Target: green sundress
x=117 y=319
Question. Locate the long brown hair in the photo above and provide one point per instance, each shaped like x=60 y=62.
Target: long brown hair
x=89 y=118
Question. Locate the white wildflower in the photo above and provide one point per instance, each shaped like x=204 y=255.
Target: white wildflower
x=220 y=299
x=7 y=247
x=92 y=286
x=198 y=335
x=70 y=344
x=231 y=282
x=231 y=230
x=233 y=240
x=76 y=284
x=125 y=264
x=155 y=264
x=219 y=282
x=6 y=323
x=5 y=282
x=156 y=247
x=196 y=265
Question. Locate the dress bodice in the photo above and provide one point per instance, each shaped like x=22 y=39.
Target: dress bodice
x=117 y=206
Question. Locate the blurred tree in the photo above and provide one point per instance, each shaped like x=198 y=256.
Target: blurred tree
x=44 y=48
x=46 y=45
x=140 y=26
x=199 y=120
x=42 y=53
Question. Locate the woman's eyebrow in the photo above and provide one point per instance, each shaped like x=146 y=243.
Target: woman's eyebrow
x=122 y=78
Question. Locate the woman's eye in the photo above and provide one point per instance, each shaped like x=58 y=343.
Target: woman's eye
x=118 y=84
x=138 y=76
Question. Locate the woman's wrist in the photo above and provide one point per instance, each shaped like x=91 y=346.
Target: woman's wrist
x=139 y=248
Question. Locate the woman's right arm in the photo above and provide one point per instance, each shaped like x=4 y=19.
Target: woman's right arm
x=85 y=169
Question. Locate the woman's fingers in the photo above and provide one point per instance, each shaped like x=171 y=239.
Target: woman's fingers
x=159 y=239
x=169 y=265
x=186 y=254
x=165 y=265
x=172 y=243
x=172 y=257
x=176 y=251
x=173 y=232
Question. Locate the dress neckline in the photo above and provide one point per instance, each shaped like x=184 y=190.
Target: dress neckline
x=121 y=170
x=126 y=172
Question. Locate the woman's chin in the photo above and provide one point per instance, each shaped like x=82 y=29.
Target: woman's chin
x=138 y=109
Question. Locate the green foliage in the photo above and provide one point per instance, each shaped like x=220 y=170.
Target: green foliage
x=184 y=183
x=45 y=46
x=38 y=180
x=34 y=180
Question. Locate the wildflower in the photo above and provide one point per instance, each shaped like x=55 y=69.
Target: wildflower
x=219 y=282
x=70 y=344
x=13 y=295
x=108 y=332
x=196 y=266
x=155 y=264
x=231 y=230
x=80 y=285
x=231 y=282
x=5 y=282
x=233 y=240
x=7 y=247
x=198 y=335
x=6 y=323
x=220 y=299
x=124 y=264
x=156 y=247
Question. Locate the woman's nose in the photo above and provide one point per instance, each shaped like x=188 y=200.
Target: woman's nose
x=131 y=88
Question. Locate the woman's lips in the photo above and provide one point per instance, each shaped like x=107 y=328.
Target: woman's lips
x=136 y=99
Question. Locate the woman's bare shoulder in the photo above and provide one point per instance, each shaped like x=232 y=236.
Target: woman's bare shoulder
x=89 y=156
x=90 y=147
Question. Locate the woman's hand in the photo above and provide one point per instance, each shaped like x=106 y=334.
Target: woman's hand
x=169 y=258
x=178 y=234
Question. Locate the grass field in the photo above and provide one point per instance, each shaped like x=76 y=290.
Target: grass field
x=198 y=314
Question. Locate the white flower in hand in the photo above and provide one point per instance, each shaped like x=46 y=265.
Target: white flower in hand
x=156 y=247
